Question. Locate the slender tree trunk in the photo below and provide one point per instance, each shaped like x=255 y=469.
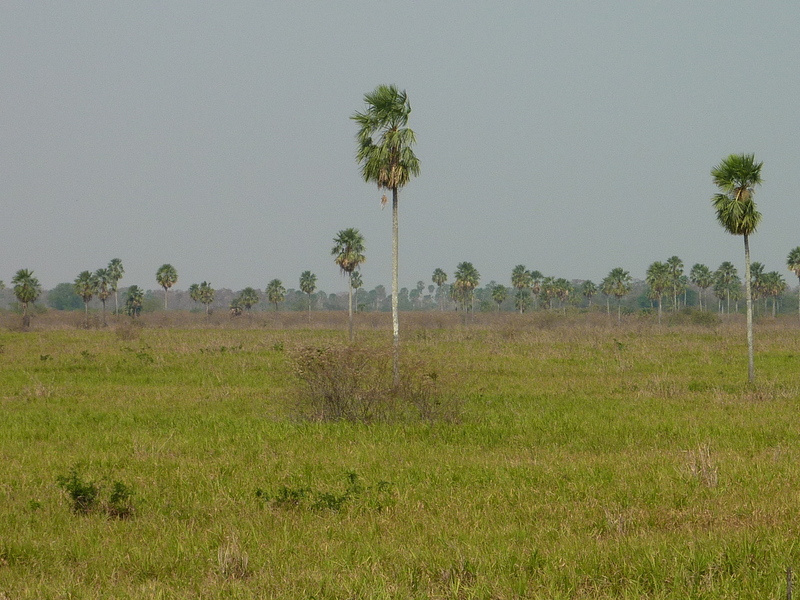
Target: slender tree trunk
x=86 y=310
x=659 y=310
x=798 y=297
x=104 y=313
x=619 y=310
x=309 y=308
x=751 y=371
x=26 y=319
x=165 y=298
x=350 y=303
x=116 y=302
x=395 y=292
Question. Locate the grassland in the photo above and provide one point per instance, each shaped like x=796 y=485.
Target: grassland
x=590 y=460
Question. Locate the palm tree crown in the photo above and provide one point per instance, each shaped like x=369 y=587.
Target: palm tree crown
x=348 y=250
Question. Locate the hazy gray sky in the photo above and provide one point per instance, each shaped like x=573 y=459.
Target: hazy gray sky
x=571 y=136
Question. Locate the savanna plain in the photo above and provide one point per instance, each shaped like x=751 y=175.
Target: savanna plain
x=571 y=456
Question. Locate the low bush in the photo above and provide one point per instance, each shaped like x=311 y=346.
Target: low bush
x=355 y=383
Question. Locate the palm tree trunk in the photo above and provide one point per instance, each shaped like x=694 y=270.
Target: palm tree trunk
x=395 y=292
x=86 y=310
x=309 y=308
x=116 y=302
x=350 y=303
x=751 y=372
x=659 y=310
x=798 y=297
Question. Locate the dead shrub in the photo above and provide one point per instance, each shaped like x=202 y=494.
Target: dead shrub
x=354 y=383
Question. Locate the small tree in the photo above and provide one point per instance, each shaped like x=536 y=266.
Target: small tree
x=206 y=295
x=248 y=298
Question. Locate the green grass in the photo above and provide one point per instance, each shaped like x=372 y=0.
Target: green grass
x=590 y=461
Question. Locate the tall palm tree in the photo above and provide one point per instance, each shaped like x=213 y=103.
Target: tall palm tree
x=737 y=177
x=86 y=287
x=466 y=280
x=104 y=283
x=166 y=276
x=115 y=273
x=521 y=280
x=27 y=290
x=348 y=250
x=658 y=278
x=276 y=293
x=385 y=153
x=675 y=268
x=701 y=276
x=134 y=300
x=620 y=285
x=308 y=283
x=439 y=278
x=793 y=262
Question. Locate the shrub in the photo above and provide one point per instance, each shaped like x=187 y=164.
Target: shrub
x=82 y=493
x=354 y=383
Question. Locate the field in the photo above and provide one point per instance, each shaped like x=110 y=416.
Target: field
x=589 y=459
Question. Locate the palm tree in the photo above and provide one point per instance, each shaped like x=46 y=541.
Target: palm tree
x=499 y=295
x=439 y=278
x=521 y=280
x=308 y=283
x=774 y=287
x=205 y=295
x=348 y=250
x=194 y=292
x=248 y=298
x=563 y=290
x=276 y=293
x=133 y=303
x=115 y=273
x=104 y=283
x=701 y=276
x=793 y=262
x=675 y=268
x=536 y=278
x=466 y=280
x=726 y=278
x=166 y=276
x=737 y=177
x=658 y=277
x=389 y=162
x=758 y=283
x=589 y=289
x=620 y=285
x=26 y=290
x=86 y=288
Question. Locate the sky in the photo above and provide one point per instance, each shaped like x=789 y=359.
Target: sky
x=569 y=136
